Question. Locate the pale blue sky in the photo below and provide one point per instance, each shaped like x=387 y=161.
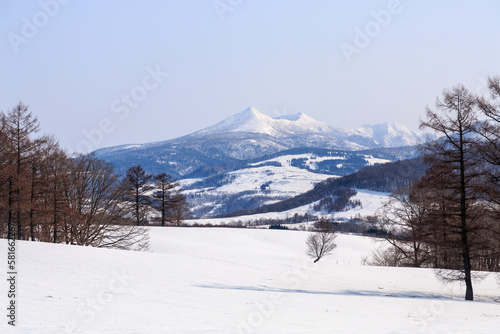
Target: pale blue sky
x=85 y=65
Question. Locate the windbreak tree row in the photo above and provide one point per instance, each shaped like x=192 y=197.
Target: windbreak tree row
x=46 y=195
x=147 y=194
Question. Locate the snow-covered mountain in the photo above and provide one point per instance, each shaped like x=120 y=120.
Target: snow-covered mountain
x=299 y=125
x=251 y=159
x=248 y=135
x=387 y=134
x=253 y=121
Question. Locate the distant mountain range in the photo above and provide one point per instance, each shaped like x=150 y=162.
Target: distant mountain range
x=304 y=130
x=250 y=135
x=250 y=159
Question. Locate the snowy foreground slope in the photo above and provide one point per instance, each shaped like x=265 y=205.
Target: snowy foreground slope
x=207 y=280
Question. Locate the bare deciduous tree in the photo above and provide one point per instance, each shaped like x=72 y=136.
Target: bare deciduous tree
x=164 y=196
x=97 y=216
x=180 y=209
x=489 y=130
x=19 y=125
x=6 y=166
x=453 y=165
x=136 y=184
x=405 y=218
x=322 y=241
x=47 y=196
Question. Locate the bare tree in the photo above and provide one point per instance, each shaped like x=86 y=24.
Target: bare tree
x=489 y=131
x=164 y=197
x=96 y=215
x=180 y=209
x=54 y=172
x=35 y=184
x=47 y=196
x=453 y=163
x=6 y=171
x=19 y=125
x=136 y=184
x=388 y=257
x=322 y=241
x=405 y=220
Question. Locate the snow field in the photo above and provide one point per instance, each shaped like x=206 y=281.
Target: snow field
x=208 y=280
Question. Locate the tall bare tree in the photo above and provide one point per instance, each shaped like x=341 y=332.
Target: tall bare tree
x=489 y=131
x=55 y=171
x=136 y=184
x=453 y=167
x=20 y=124
x=35 y=184
x=164 y=197
x=6 y=171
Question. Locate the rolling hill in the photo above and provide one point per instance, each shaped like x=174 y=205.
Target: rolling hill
x=201 y=280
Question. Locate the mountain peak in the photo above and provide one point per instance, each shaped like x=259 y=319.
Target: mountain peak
x=248 y=120
x=300 y=125
x=250 y=134
x=390 y=134
x=251 y=110
x=253 y=121
x=248 y=113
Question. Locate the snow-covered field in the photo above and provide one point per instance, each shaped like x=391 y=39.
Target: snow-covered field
x=213 y=280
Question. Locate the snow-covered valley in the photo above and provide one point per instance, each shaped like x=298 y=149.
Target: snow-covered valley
x=269 y=181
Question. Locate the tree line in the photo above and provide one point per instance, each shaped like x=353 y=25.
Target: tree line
x=47 y=195
x=449 y=218
x=147 y=194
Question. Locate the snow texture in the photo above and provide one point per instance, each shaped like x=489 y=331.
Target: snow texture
x=200 y=280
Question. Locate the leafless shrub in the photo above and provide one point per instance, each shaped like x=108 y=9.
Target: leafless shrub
x=322 y=241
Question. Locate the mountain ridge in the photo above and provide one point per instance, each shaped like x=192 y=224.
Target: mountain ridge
x=253 y=121
x=251 y=134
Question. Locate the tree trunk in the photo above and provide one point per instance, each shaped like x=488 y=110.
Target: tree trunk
x=32 y=204
x=10 y=227
x=55 y=211
x=463 y=217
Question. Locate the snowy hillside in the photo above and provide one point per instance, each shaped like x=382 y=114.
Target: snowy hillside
x=249 y=188
x=237 y=281
x=270 y=180
x=371 y=202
